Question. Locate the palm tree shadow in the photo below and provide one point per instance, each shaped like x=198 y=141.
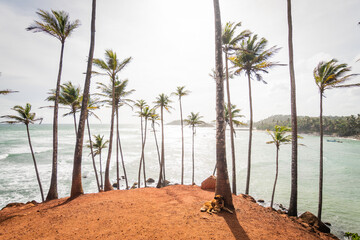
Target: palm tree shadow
x=234 y=225
x=64 y=203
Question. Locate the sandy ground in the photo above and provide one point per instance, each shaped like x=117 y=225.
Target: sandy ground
x=148 y=213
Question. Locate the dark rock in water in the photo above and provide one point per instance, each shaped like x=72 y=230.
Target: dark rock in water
x=115 y=185
x=282 y=207
x=261 y=200
x=150 y=180
x=209 y=183
x=166 y=182
x=84 y=176
x=134 y=185
x=122 y=177
x=312 y=220
x=327 y=223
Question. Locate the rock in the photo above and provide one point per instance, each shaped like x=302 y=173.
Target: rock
x=209 y=183
x=312 y=220
x=150 y=180
x=248 y=197
x=328 y=224
x=122 y=177
x=33 y=202
x=134 y=185
x=14 y=205
x=282 y=207
x=166 y=182
x=261 y=200
x=115 y=185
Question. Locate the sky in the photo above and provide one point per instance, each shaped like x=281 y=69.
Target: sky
x=172 y=44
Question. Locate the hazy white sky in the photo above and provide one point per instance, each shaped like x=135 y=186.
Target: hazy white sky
x=172 y=44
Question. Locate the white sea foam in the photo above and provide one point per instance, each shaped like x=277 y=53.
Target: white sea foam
x=3 y=156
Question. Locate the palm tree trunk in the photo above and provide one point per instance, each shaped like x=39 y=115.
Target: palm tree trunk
x=92 y=154
x=117 y=148
x=108 y=186
x=122 y=161
x=161 y=182
x=143 y=151
x=193 y=158
x=76 y=188
x=250 y=138
x=222 y=179
x=53 y=193
x=293 y=194
x=33 y=157
x=182 y=143
x=276 y=176
x=321 y=159
x=157 y=145
x=231 y=127
x=142 y=147
x=101 y=177
x=74 y=115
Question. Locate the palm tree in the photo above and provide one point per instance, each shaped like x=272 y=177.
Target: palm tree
x=7 y=91
x=181 y=92
x=154 y=117
x=92 y=105
x=193 y=120
x=146 y=114
x=76 y=187
x=235 y=114
x=141 y=104
x=228 y=43
x=120 y=100
x=58 y=25
x=222 y=180
x=99 y=144
x=252 y=58
x=279 y=137
x=69 y=96
x=162 y=102
x=294 y=172
x=329 y=75
x=26 y=117
x=111 y=66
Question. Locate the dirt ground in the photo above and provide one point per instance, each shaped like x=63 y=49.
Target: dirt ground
x=172 y=212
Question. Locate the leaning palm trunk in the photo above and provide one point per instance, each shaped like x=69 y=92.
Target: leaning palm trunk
x=101 y=176
x=142 y=146
x=76 y=188
x=231 y=127
x=293 y=194
x=92 y=154
x=157 y=145
x=222 y=180
x=74 y=115
x=250 y=138
x=122 y=162
x=35 y=165
x=53 y=193
x=142 y=155
x=321 y=159
x=276 y=176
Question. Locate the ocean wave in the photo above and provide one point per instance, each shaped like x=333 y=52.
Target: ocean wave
x=3 y=156
x=26 y=149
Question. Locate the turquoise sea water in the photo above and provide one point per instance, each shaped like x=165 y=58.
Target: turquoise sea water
x=341 y=199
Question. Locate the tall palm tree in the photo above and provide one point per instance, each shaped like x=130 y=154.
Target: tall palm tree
x=329 y=75
x=229 y=41
x=146 y=114
x=121 y=99
x=294 y=145
x=163 y=102
x=26 y=117
x=193 y=120
x=76 y=187
x=99 y=144
x=141 y=104
x=58 y=25
x=69 y=96
x=181 y=92
x=253 y=59
x=222 y=180
x=279 y=137
x=111 y=67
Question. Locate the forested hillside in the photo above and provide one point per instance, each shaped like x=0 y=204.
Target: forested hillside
x=339 y=126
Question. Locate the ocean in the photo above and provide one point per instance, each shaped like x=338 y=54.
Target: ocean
x=341 y=196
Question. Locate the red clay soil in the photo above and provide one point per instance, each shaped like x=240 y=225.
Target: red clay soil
x=172 y=212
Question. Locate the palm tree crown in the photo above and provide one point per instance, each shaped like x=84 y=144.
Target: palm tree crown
x=253 y=59
x=120 y=92
x=229 y=40
x=194 y=119
x=332 y=75
x=163 y=101
x=56 y=24
x=235 y=113
x=99 y=144
x=24 y=115
x=112 y=66
x=279 y=136
x=180 y=92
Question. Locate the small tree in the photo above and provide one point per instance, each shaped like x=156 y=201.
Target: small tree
x=99 y=144
x=193 y=120
x=26 y=117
